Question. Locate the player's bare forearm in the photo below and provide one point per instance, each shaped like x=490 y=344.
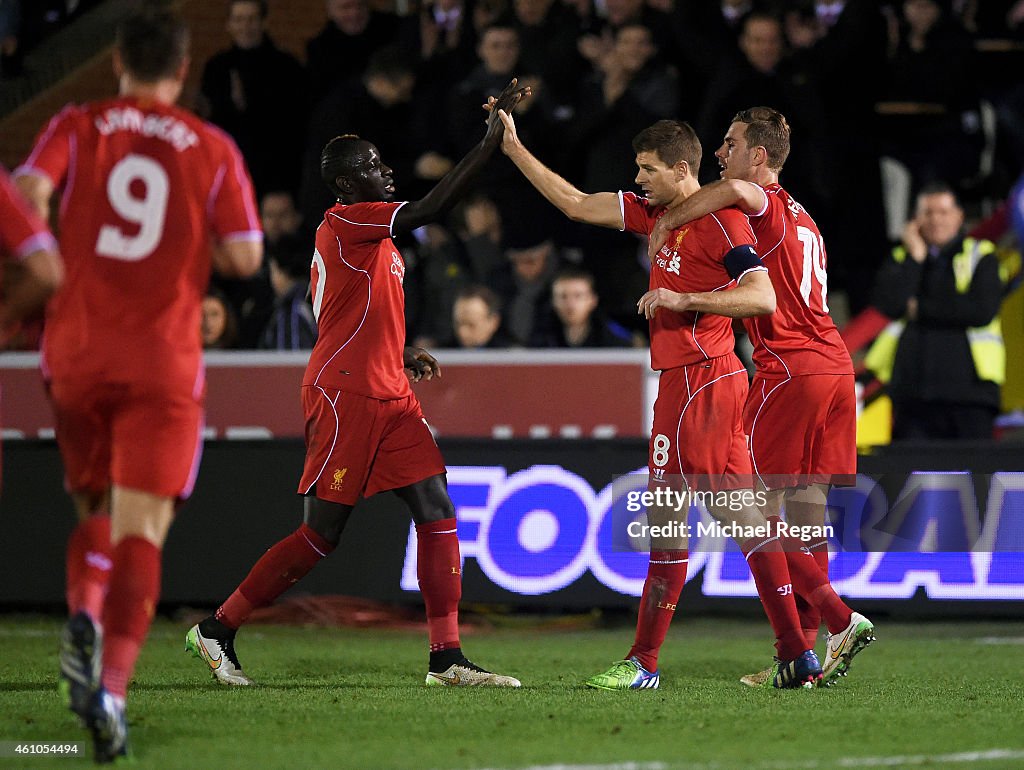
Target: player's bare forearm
x=38 y=277
x=754 y=296
x=600 y=209
x=720 y=194
x=238 y=259
x=454 y=184
x=749 y=197
x=37 y=190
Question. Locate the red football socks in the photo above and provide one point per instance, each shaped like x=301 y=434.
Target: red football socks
x=439 y=569
x=284 y=565
x=767 y=564
x=810 y=616
x=88 y=566
x=666 y=574
x=128 y=611
x=811 y=583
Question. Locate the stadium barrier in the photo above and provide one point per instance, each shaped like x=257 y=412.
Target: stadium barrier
x=535 y=521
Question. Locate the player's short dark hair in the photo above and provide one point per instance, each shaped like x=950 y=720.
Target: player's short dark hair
x=672 y=141
x=572 y=273
x=339 y=157
x=292 y=255
x=767 y=128
x=938 y=188
x=153 y=43
x=482 y=293
x=264 y=10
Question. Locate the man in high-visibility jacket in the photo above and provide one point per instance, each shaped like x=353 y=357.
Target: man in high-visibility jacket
x=943 y=357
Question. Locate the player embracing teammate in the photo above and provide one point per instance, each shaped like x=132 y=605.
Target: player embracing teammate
x=801 y=412
x=703 y=275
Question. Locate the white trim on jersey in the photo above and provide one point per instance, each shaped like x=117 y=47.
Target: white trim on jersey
x=622 y=212
x=334 y=442
x=755 y=269
x=363 y=224
x=689 y=400
x=369 y=296
x=36 y=242
x=764 y=208
x=726 y=234
x=785 y=228
x=69 y=181
x=753 y=424
x=29 y=167
x=391 y=225
x=243 y=235
x=218 y=180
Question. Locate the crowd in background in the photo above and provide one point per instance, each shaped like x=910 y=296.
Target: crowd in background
x=933 y=86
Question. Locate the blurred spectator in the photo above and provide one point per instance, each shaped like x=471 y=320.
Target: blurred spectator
x=760 y=74
x=577 y=320
x=547 y=39
x=257 y=93
x=705 y=34
x=218 y=325
x=943 y=359
x=479 y=227
x=435 y=272
x=476 y=317
x=292 y=325
x=279 y=216
x=929 y=102
x=445 y=38
x=498 y=51
x=343 y=47
x=524 y=284
x=10 y=33
x=629 y=91
x=381 y=105
x=841 y=46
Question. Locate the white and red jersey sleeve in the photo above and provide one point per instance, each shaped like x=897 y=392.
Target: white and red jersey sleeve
x=800 y=336
x=359 y=303
x=231 y=208
x=56 y=147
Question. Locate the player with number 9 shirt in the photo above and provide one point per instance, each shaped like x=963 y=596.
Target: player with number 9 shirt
x=800 y=413
x=148 y=191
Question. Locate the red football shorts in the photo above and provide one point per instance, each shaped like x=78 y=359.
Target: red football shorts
x=802 y=430
x=698 y=426
x=358 y=446
x=132 y=435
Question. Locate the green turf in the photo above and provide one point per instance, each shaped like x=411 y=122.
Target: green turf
x=356 y=699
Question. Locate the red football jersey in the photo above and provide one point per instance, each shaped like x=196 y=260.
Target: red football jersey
x=144 y=187
x=692 y=260
x=358 y=302
x=800 y=336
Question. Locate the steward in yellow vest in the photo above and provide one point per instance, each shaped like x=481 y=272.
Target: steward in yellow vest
x=942 y=358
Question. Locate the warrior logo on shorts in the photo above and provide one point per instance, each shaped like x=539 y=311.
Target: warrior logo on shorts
x=339 y=479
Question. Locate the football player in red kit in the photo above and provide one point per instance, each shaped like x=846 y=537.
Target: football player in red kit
x=365 y=432
x=147 y=189
x=800 y=413
x=705 y=274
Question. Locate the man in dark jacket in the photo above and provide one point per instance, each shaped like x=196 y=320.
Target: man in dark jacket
x=945 y=353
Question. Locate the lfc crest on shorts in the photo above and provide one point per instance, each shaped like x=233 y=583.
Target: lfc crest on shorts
x=339 y=479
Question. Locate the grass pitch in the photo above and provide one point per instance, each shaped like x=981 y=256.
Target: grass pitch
x=936 y=695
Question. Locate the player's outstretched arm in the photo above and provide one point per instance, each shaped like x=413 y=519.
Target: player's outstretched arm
x=454 y=183
x=750 y=198
x=596 y=209
x=754 y=296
